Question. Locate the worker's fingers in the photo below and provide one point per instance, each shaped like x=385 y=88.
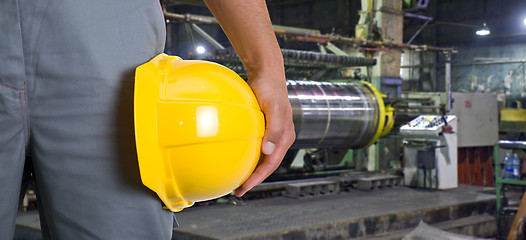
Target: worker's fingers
x=275 y=117
x=270 y=162
x=271 y=91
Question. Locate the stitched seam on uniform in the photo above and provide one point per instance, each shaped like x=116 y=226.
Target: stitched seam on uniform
x=16 y=89
x=23 y=107
x=28 y=124
x=22 y=116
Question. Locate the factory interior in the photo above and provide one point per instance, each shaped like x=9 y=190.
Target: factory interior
x=409 y=114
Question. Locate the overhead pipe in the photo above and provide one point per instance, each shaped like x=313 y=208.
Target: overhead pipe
x=207 y=37
x=421 y=17
x=313 y=36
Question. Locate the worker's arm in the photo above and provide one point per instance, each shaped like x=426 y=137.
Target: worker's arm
x=248 y=27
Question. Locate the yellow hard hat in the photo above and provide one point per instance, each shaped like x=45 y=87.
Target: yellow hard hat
x=198 y=129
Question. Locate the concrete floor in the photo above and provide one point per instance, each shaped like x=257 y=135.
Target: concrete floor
x=341 y=216
x=353 y=214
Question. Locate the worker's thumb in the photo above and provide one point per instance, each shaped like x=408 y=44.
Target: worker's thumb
x=271 y=138
x=268 y=147
x=273 y=131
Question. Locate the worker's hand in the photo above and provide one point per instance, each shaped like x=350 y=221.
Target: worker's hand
x=279 y=132
x=248 y=27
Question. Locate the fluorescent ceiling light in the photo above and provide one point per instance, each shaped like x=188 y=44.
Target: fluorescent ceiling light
x=483 y=31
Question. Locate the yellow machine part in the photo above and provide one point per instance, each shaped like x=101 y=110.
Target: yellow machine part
x=198 y=129
x=512 y=120
x=382 y=114
x=389 y=122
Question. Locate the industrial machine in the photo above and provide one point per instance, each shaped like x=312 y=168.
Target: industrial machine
x=337 y=113
x=334 y=114
x=430 y=152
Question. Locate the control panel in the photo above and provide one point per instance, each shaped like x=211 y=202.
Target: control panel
x=425 y=126
x=430 y=152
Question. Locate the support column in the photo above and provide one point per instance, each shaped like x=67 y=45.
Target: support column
x=388 y=18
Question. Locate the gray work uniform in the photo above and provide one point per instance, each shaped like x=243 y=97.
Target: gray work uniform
x=66 y=98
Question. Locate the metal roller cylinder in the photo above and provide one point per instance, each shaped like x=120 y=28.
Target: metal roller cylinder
x=331 y=114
